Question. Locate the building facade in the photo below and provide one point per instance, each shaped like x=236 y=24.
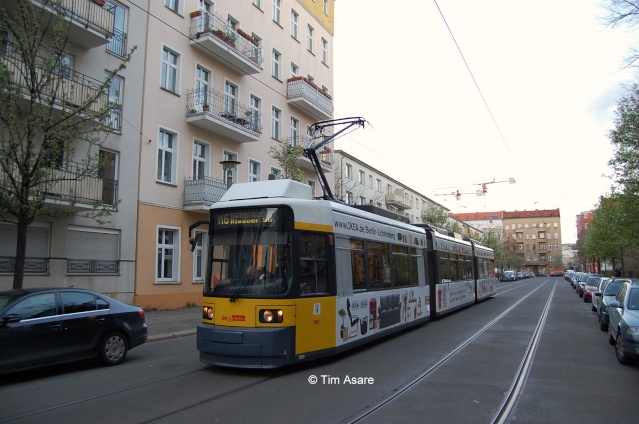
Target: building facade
x=76 y=250
x=485 y=222
x=535 y=237
x=357 y=183
x=225 y=82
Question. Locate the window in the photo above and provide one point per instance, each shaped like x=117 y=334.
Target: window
x=295 y=130
x=167 y=255
x=255 y=109
x=255 y=169
x=324 y=52
x=312 y=184
x=200 y=160
x=117 y=43
x=169 y=76
x=309 y=38
x=349 y=197
x=115 y=97
x=230 y=99
x=276 y=68
x=63 y=66
x=202 y=81
x=76 y=302
x=257 y=3
x=277 y=173
x=362 y=177
x=326 y=7
x=92 y=250
x=174 y=5
x=36 y=306
x=107 y=172
x=167 y=148
x=4 y=42
x=37 y=261
x=349 y=170
x=379 y=185
x=294 y=24
x=199 y=255
x=294 y=70
x=362 y=200
x=370 y=181
x=357 y=265
x=313 y=263
x=276 y=130
x=277 y=6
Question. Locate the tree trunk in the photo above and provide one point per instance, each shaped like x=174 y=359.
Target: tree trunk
x=21 y=254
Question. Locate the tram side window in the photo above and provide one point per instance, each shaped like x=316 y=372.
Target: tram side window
x=379 y=270
x=401 y=266
x=313 y=264
x=467 y=265
x=358 y=264
x=446 y=267
x=220 y=267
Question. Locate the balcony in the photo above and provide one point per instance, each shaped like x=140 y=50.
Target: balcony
x=31 y=265
x=66 y=89
x=396 y=200
x=325 y=156
x=64 y=185
x=307 y=97
x=91 y=22
x=200 y=194
x=214 y=112
x=235 y=49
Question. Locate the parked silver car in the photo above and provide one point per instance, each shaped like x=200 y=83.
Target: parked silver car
x=623 y=328
x=606 y=296
x=597 y=299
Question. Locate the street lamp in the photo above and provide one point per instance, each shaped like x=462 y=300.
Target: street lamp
x=229 y=165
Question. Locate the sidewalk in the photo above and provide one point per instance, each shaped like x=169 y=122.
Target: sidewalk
x=170 y=323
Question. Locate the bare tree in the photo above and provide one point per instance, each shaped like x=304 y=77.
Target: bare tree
x=288 y=157
x=52 y=121
x=623 y=13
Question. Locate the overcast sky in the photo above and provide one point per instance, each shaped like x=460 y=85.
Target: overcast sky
x=547 y=77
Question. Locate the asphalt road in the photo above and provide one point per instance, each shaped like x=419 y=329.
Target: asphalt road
x=458 y=369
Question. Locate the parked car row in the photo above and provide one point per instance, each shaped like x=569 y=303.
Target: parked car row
x=47 y=326
x=515 y=275
x=616 y=302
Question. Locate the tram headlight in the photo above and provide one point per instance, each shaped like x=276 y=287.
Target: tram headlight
x=271 y=316
x=207 y=312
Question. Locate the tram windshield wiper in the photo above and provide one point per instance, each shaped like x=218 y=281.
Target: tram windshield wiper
x=250 y=280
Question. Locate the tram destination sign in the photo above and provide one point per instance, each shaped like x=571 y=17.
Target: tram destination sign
x=244 y=217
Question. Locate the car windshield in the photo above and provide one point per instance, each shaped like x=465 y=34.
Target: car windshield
x=612 y=288
x=633 y=300
x=592 y=281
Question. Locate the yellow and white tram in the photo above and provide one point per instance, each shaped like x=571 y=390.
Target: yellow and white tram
x=291 y=278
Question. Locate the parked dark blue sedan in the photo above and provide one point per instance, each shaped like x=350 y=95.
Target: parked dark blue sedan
x=47 y=326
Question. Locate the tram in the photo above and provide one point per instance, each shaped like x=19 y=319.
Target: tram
x=291 y=278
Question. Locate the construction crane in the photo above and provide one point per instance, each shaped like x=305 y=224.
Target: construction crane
x=479 y=192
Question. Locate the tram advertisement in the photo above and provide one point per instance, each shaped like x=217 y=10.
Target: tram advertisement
x=358 y=227
x=363 y=314
x=454 y=294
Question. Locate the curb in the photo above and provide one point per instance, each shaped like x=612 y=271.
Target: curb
x=175 y=335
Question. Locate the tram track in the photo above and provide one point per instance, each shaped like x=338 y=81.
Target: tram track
x=505 y=409
x=61 y=406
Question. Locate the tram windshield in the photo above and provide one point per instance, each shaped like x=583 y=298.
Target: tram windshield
x=250 y=253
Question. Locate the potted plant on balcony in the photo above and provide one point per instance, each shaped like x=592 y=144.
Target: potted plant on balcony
x=205 y=108
x=99 y=2
x=196 y=13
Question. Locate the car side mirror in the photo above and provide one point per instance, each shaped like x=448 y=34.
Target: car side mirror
x=616 y=304
x=11 y=318
x=598 y=294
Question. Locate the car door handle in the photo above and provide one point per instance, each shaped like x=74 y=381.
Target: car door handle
x=97 y=319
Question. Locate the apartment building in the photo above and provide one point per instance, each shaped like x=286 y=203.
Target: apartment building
x=534 y=236
x=486 y=222
x=225 y=81
x=357 y=183
x=75 y=250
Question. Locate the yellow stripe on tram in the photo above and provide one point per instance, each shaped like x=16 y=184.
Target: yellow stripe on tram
x=308 y=226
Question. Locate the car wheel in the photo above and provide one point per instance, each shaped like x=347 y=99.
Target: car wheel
x=620 y=352
x=603 y=325
x=611 y=340
x=592 y=308
x=113 y=349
